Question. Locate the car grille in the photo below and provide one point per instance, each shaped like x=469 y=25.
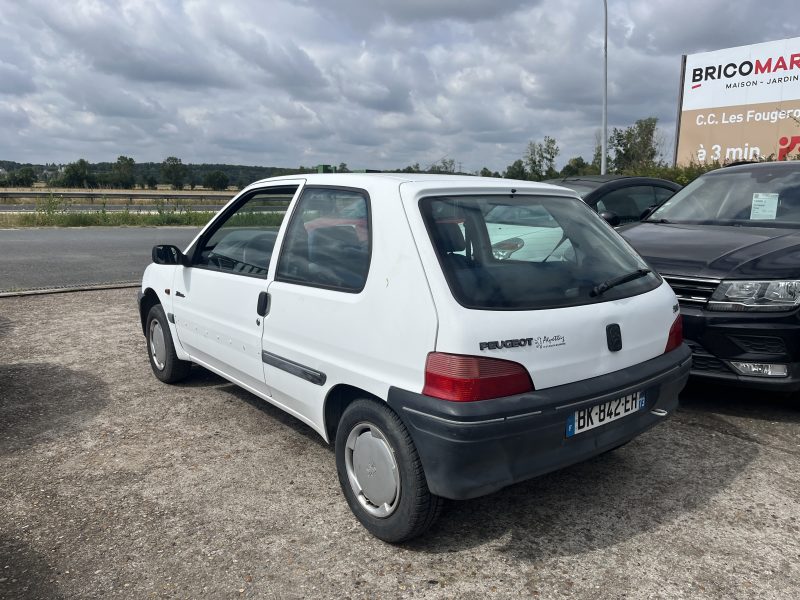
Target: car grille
x=704 y=362
x=760 y=344
x=692 y=291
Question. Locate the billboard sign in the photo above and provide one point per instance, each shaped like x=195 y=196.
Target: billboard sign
x=740 y=104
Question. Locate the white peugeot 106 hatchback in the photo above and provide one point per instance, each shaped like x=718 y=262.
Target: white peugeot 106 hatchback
x=449 y=335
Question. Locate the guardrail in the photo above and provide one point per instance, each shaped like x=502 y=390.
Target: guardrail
x=217 y=197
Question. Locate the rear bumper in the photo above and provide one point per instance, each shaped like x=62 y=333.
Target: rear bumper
x=469 y=449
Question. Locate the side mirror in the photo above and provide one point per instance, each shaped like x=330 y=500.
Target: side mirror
x=611 y=218
x=167 y=254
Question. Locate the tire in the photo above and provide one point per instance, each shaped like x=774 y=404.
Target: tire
x=161 y=351
x=381 y=474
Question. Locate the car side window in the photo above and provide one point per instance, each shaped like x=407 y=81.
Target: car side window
x=662 y=194
x=327 y=243
x=628 y=203
x=241 y=242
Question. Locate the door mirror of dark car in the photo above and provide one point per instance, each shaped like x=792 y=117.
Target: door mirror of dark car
x=167 y=254
x=611 y=218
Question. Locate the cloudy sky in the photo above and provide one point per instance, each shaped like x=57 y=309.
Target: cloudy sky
x=373 y=83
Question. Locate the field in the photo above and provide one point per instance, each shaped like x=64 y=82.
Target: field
x=107 y=218
x=83 y=208
x=134 y=197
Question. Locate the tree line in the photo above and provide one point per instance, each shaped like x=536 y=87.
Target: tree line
x=126 y=173
x=633 y=150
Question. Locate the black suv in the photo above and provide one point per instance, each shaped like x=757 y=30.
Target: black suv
x=729 y=245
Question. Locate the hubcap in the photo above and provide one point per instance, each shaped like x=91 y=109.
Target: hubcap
x=372 y=470
x=158 y=349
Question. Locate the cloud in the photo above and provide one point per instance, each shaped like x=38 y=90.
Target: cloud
x=13 y=116
x=16 y=69
x=378 y=84
x=14 y=81
x=283 y=66
x=419 y=11
x=140 y=41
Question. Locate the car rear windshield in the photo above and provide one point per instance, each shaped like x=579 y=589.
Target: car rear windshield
x=757 y=196
x=530 y=252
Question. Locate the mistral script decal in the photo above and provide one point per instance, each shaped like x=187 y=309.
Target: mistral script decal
x=543 y=341
x=549 y=342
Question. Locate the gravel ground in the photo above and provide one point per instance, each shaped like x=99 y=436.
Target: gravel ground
x=115 y=485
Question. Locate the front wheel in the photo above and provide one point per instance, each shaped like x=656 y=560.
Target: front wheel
x=164 y=361
x=381 y=474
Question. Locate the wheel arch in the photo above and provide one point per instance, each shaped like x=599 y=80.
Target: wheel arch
x=149 y=300
x=337 y=400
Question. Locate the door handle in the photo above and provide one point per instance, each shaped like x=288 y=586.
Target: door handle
x=262 y=308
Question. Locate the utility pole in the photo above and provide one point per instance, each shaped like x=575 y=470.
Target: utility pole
x=604 y=140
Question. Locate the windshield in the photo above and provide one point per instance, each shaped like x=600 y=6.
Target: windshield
x=530 y=252
x=759 y=196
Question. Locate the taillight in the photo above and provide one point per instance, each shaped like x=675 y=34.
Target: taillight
x=675 y=338
x=461 y=378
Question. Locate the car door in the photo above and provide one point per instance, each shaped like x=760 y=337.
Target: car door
x=317 y=308
x=216 y=296
x=628 y=203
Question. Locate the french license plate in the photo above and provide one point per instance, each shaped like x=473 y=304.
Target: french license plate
x=600 y=414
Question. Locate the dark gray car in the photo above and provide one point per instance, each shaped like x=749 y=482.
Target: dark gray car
x=626 y=198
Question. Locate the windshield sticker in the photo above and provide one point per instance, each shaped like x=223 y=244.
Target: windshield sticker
x=764 y=207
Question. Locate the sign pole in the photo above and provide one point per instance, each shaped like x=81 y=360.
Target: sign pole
x=604 y=140
x=680 y=111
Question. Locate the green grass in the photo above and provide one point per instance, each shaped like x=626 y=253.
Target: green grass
x=76 y=219
x=42 y=218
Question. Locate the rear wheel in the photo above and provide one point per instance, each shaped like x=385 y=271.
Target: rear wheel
x=163 y=360
x=381 y=474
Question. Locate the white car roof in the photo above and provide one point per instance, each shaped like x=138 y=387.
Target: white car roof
x=429 y=180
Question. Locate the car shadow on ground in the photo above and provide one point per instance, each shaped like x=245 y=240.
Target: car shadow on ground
x=741 y=402
x=25 y=573
x=203 y=378
x=41 y=400
x=597 y=504
x=593 y=505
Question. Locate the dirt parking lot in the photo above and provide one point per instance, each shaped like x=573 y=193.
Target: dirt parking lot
x=115 y=485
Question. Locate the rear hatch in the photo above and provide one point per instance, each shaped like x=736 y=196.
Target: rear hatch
x=540 y=280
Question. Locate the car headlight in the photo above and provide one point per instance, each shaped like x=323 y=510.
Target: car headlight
x=756 y=295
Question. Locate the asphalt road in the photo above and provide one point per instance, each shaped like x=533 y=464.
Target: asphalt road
x=56 y=257
x=114 y=485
